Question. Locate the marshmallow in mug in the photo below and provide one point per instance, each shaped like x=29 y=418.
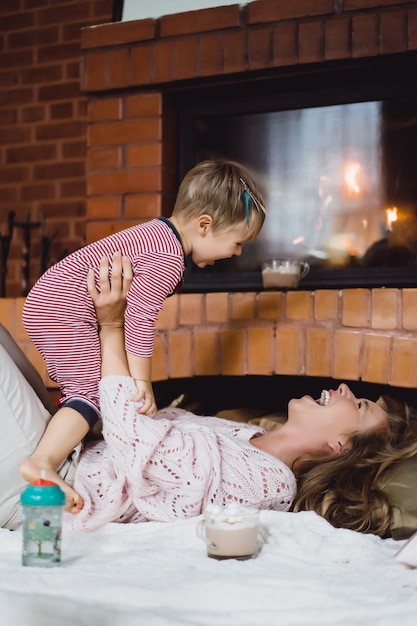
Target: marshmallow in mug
x=232 y=514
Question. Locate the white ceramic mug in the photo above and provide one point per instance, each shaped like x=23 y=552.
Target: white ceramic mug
x=232 y=534
x=283 y=273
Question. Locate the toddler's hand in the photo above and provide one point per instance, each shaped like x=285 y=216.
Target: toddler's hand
x=145 y=396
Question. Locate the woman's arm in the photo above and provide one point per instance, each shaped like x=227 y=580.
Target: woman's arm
x=110 y=304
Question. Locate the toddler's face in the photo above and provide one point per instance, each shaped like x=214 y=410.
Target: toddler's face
x=221 y=244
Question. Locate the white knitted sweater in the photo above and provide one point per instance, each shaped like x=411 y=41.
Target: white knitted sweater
x=171 y=466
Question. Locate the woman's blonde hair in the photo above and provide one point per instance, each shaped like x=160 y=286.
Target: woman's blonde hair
x=348 y=490
x=224 y=190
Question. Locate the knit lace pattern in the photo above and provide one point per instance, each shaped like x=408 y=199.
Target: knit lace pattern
x=171 y=466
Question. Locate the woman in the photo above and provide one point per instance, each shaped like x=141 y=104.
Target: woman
x=173 y=465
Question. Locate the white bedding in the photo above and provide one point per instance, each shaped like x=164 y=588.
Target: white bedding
x=158 y=574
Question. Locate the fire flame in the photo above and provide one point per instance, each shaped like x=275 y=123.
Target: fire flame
x=324 y=181
x=351 y=174
x=297 y=240
x=392 y=216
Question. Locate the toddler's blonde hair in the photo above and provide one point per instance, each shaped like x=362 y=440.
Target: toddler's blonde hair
x=224 y=190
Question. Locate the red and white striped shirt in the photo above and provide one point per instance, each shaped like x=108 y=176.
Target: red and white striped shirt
x=59 y=314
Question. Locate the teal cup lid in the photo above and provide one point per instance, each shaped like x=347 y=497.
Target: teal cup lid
x=42 y=493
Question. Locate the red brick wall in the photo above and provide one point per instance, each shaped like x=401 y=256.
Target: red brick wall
x=43 y=123
x=44 y=116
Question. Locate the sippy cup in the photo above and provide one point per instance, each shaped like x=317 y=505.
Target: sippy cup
x=42 y=507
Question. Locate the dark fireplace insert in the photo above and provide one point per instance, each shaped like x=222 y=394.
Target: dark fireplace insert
x=208 y=395
x=334 y=149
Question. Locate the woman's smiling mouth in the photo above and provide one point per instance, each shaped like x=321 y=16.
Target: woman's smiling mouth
x=324 y=398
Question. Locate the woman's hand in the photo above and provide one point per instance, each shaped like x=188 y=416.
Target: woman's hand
x=110 y=304
x=110 y=301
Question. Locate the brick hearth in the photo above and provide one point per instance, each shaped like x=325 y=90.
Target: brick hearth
x=352 y=334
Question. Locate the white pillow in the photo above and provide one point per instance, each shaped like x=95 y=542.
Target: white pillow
x=23 y=419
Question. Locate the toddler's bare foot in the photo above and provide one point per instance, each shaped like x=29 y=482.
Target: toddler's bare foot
x=30 y=470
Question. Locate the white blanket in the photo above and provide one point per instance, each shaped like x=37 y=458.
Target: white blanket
x=158 y=574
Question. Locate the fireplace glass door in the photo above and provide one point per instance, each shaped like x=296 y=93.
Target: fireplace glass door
x=338 y=180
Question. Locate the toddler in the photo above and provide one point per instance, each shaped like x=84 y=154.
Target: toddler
x=217 y=210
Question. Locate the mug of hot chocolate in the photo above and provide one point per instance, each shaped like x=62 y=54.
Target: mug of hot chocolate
x=232 y=532
x=283 y=273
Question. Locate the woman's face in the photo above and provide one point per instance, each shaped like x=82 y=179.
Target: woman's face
x=337 y=416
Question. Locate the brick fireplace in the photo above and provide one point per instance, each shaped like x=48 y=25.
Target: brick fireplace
x=129 y=73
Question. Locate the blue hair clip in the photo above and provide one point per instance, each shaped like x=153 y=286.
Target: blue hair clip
x=247 y=197
x=246 y=200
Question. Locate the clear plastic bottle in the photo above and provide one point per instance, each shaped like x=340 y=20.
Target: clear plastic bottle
x=42 y=507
